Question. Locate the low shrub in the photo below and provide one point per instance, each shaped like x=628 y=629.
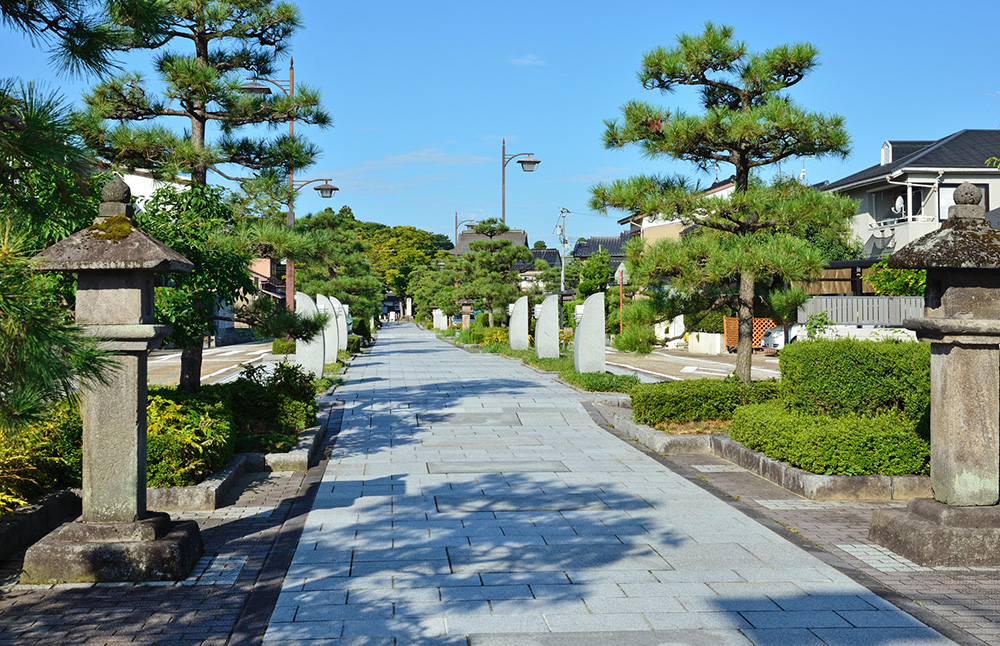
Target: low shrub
x=360 y=328
x=56 y=442
x=848 y=376
x=604 y=382
x=354 y=344
x=697 y=400
x=282 y=346
x=185 y=441
x=886 y=443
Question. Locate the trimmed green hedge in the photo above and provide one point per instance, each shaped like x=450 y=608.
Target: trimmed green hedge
x=848 y=376
x=887 y=443
x=696 y=400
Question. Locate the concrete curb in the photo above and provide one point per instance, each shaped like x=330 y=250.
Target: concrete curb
x=808 y=485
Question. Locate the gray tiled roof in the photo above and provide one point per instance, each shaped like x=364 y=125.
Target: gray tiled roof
x=963 y=149
x=516 y=236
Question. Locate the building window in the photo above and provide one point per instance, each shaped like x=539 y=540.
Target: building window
x=946 y=198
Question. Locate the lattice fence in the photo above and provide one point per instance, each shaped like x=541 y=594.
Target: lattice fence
x=731 y=328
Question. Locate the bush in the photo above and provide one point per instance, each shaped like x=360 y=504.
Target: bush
x=185 y=441
x=886 y=443
x=360 y=328
x=845 y=376
x=282 y=346
x=604 y=382
x=353 y=344
x=56 y=442
x=697 y=400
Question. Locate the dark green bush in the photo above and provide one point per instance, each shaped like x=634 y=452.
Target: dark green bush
x=697 y=400
x=281 y=346
x=360 y=328
x=711 y=323
x=185 y=441
x=887 y=443
x=604 y=382
x=353 y=344
x=848 y=376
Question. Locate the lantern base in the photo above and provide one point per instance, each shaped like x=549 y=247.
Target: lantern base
x=932 y=533
x=152 y=549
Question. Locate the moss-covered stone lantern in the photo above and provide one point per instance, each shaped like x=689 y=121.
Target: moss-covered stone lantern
x=116 y=538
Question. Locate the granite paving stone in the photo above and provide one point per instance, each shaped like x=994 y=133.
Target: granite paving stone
x=502 y=511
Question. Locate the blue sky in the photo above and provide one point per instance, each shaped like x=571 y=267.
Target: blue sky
x=421 y=94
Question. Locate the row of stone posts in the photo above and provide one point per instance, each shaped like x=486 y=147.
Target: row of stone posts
x=588 y=344
x=313 y=355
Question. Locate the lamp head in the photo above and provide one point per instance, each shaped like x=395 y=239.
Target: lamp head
x=326 y=190
x=528 y=163
x=255 y=89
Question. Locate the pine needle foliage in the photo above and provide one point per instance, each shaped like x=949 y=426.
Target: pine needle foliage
x=747 y=120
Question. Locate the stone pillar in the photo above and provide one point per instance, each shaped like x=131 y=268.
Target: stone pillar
x=341 y=323
x=331 y=331
x=116 y=538
x=466 y=317
x=518 y=330
x=588 y=344
x=961 y=525
x=309 y=354
x=547 y=329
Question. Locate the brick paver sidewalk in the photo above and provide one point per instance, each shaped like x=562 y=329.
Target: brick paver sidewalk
x=472 y=500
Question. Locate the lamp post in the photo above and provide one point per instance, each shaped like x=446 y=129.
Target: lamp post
x=457 y=223
x=527 y=165
x=326 y=190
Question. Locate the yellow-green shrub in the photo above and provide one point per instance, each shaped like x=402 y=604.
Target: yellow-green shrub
x=185 y=441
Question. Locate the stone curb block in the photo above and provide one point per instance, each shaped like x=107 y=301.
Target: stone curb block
x=29 y=523
x=808 y=485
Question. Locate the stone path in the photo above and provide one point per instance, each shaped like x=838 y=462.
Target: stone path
x=472 y=500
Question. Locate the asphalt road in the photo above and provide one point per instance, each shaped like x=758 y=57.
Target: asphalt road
x=218 y=364
x=674 y=365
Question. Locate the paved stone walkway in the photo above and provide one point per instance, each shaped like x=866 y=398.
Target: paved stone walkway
x=472 y=500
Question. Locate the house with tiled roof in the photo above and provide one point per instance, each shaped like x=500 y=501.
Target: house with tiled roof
x=907 y=194
x=657 y=228
x=516 y=237
x=614 y=245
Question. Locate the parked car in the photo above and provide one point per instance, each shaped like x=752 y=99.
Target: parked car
x=774 y=339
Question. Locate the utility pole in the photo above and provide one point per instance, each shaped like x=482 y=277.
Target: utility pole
x=564 y=242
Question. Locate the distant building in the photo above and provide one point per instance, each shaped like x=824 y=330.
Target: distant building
x=614 y=245
x=516 y=236
x=652 y=229
x=907 y=194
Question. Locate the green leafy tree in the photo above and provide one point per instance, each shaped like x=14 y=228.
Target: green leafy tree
x=896 y=282
x=336 y=264
x=490 y=278
x=395 y=252
x=595 y=274
x=552 y=276
x=224 y=40
x=198 y=224
x=748 y=121
x=436 y=287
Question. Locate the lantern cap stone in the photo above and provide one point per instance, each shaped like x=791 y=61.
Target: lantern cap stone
x=113 y=242
x=966 y=240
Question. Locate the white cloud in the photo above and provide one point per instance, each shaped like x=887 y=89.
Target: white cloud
x=527 y=60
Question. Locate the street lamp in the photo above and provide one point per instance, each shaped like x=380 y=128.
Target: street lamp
x=256 y=88
x=527 y=165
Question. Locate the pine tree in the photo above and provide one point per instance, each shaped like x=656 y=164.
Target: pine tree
x=224 y=40
x=748 y=121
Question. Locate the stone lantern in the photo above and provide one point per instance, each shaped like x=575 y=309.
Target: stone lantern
x=961 y=525
x=116 y=538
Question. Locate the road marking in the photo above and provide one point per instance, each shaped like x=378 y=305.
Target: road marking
x=648 y=372
x=689 y=369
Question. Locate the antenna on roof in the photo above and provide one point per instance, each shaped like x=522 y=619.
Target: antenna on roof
x=802 y=175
